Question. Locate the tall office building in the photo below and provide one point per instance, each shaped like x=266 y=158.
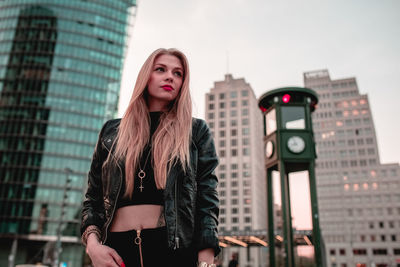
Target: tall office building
x=358 y=197
x=60 y=70
x=236 y=122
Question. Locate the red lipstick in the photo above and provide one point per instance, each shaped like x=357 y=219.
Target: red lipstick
x=167 y=87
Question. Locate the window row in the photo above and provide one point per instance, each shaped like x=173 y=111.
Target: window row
x=246 y=183
x=233 y=113
x=232 y=94
x=233 y=104
x=222 y=175
x=233 y=122
x=350 y=122
x=234 y=152
x=234 y=132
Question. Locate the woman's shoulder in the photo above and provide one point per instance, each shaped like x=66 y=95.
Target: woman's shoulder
x=110 y=127
x=199 y=128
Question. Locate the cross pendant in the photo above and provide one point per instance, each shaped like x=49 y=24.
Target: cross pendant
x=141 y=188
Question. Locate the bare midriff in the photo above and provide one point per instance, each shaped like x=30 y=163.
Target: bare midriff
x=137 y=217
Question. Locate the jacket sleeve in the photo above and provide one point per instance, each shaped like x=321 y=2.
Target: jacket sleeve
x=93 y=205
x=207 y=197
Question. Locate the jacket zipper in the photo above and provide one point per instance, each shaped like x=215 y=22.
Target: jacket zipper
x=176 y=215
x=119 y=189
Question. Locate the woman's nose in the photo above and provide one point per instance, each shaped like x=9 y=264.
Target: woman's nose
x=169 y=76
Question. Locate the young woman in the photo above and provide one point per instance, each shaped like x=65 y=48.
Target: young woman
x=151 y=193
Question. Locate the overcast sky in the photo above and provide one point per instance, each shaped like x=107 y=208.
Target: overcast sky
x=271 y=44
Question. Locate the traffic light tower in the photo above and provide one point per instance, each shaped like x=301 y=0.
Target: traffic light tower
x=289 y=147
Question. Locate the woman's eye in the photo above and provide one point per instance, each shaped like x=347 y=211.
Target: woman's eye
x=178 y=73
x=160 y=69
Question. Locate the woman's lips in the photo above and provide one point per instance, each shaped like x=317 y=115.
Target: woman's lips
x=167 y=87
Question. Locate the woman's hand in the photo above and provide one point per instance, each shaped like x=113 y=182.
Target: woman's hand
x=206 y=255
x=101 y=255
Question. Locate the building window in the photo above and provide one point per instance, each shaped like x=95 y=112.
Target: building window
x=222 y=114
x=233 y=113
x=245 y=131
x=234 y=166
x=233 y=132
x=234 y=201
x=245 y=93
x=234 y=142
x=234 y=174
x=359 y=251
x=246 y=141
x=221 y=96
x=234 y=220
x=379 y=251
x=211 y=116
x=234 y=152
x=245 y=112
x=222 y=153
x=245 y=102
x=245 y=121
x=211 y=124
x=222 y=143
x=233 y=94
x=246 y=151
x=233 y=122
x=211 y=106
x=221 y=105
x=233 y=104
x=247 y=219
x=342 y=251
x=221 y=133
x=332 y=252
x=211 y=97
x=234 y=193
x=234 y=210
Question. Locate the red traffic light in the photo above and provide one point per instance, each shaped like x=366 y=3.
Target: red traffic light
x=286 y=98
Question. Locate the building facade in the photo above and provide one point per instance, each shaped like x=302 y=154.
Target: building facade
x=237 y=126
x=60 y=70
x=358 y=196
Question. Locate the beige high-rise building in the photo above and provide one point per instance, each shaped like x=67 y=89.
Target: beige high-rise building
x=359 y=199
x=236 y=122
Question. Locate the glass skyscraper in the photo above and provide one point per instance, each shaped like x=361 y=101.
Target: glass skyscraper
x=60 y=71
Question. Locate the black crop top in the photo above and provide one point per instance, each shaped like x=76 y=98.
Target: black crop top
x=150 y=193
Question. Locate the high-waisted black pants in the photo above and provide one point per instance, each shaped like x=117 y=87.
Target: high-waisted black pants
x=154 y=249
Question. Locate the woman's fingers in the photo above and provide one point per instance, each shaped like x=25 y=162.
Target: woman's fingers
x=117 y=258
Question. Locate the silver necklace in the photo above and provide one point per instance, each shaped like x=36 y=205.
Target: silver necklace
x=142 y=174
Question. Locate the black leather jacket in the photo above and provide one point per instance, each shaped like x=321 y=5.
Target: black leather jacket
x=191 y=204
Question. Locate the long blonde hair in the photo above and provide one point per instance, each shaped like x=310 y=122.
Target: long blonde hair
x=171 y=140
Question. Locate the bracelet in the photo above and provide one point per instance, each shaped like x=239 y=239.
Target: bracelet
x=205 y=264
x=89 y=230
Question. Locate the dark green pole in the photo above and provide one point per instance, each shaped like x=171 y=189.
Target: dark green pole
x=271 y=234
x=315 y=214
x=287 y=218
